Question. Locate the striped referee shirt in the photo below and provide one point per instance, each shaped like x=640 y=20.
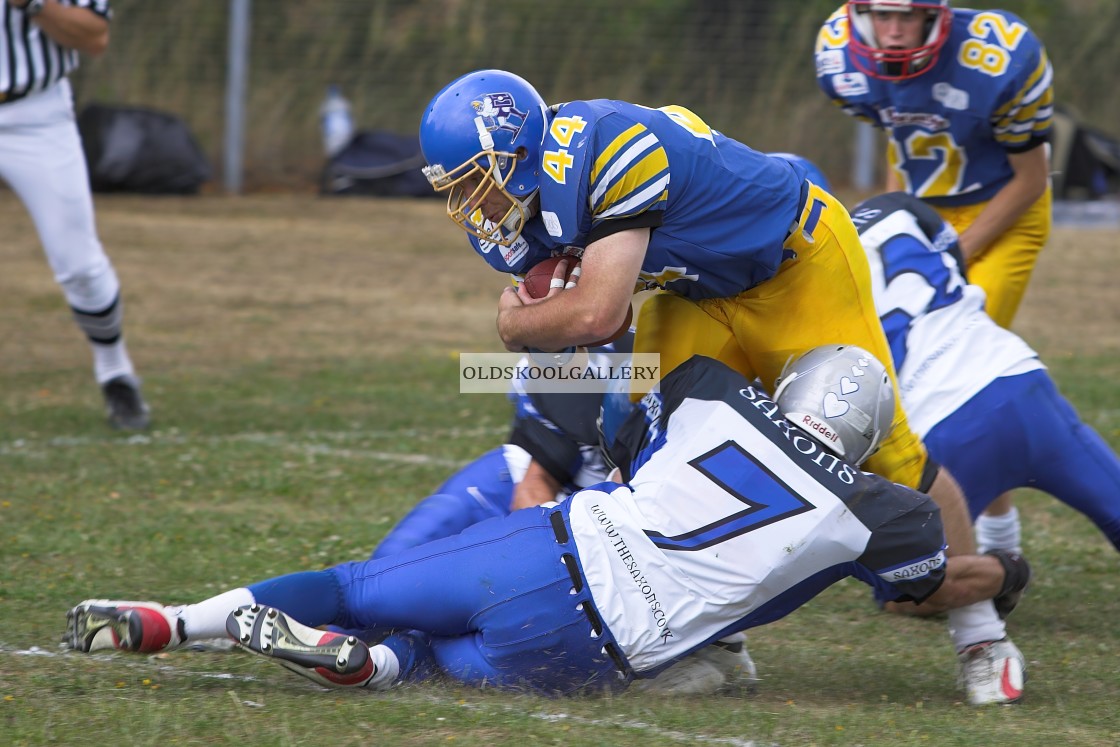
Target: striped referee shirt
x=31 y=61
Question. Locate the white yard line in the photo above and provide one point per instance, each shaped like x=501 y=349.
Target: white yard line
x=324 y=443
x=658 y=734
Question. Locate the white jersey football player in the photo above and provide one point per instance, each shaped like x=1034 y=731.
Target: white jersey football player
x=832 y=393
x=731 y=518
x=977 y=394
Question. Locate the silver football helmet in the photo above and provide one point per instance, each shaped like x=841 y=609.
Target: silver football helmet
x=840 y=395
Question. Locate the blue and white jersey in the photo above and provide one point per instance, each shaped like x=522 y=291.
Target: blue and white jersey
x=772 y=519
x=719 y=211
x=934 y=320
x=988 y=94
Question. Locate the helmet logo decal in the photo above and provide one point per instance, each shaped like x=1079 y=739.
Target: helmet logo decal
x=499 y=111
x=834 y=407
x=841 y=395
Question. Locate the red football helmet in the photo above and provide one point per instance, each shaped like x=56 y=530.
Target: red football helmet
x=886 y=63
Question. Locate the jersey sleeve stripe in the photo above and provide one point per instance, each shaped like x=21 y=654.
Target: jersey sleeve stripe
x=1035 y=89
x=608 y=154
x=640 y=201
x=854 y=110
x=1032 y=116
x=650 y=173
x=100 y=7
x=636 y=152
x=633 y=167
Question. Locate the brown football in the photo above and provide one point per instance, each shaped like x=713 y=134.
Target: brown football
x=539 y=277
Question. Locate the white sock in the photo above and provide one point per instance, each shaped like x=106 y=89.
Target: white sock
x=999 y=532
x=388 y=668
x=975 y=623
x=111 y=361
x=207 y=619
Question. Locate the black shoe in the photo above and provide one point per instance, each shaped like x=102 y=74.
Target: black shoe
x=126 y=408
x=1017 y=577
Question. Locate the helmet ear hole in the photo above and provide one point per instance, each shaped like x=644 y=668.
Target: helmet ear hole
x=521 y=153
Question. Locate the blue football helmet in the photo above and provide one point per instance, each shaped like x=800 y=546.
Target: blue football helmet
x=812 y=173
x=483 y=132
x=842 y=396
x=897 y=64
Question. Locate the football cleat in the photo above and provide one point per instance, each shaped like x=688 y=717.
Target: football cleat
x=125 y=406
x=992 y=672
x=105 y=624
x=724 y=666
x=328 y=658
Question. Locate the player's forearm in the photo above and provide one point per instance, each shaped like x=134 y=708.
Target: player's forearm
x=1007 y=206
x=954 y=514
x=968 y=579
x=573 y=317
x=549 y=325
x=74 y=27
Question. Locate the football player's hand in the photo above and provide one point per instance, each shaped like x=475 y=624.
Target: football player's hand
x=561 y=280
x=535 y=488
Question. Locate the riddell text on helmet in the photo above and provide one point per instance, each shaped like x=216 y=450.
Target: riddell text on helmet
x=801 y=441
x=826 y=433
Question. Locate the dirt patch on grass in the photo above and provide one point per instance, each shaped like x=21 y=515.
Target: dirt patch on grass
x=211 y=282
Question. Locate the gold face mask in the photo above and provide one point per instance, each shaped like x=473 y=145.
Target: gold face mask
x=477 y=185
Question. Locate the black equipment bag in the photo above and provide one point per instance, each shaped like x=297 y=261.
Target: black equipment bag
x=133 y=149
x=377 y=163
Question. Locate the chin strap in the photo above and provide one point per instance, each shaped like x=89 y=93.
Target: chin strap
x=526 y=209
x=485 y=139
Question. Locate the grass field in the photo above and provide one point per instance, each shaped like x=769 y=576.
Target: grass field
x=299 y=356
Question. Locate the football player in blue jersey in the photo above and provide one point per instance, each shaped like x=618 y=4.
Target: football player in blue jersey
x=616 y=583
x=755 y=262
x=812 y=172
x=966 y=99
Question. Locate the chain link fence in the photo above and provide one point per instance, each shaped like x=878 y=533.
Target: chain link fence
x=745 y=66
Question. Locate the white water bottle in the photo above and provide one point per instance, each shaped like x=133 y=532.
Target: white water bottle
x=335 y=121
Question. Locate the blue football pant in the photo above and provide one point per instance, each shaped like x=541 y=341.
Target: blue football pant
x=481 y=490
x=1019 y=432
x=495 y=605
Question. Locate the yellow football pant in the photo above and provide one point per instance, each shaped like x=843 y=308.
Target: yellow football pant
x=1004 y=268
x=820 y=297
